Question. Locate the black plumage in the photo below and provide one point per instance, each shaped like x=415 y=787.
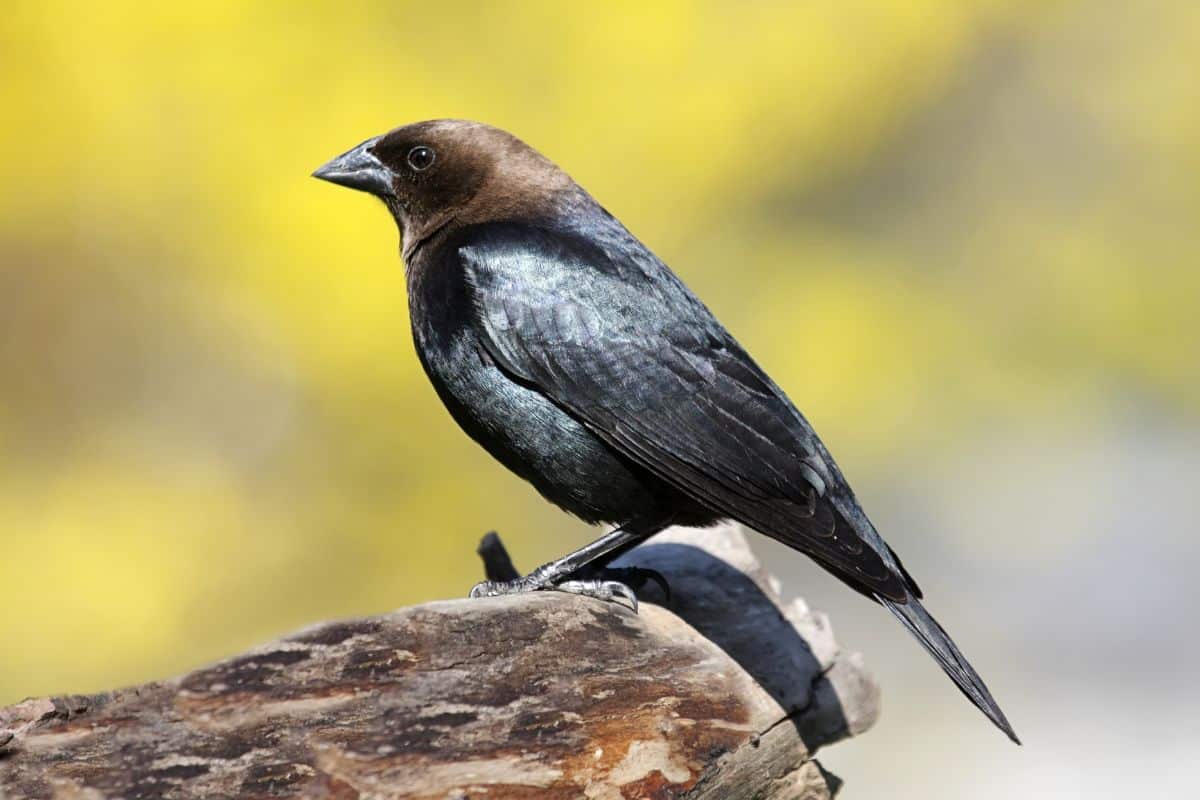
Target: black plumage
x=580 y=361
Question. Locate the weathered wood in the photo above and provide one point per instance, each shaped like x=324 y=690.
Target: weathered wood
x=545 y=695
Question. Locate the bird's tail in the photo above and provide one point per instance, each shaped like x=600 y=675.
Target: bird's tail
x=934 y=638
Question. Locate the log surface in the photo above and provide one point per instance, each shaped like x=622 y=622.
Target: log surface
x=724 y=692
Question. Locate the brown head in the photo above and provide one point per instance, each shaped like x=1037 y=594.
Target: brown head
x=431 y=174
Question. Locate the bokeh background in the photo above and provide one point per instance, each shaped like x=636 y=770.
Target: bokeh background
x=963 y=236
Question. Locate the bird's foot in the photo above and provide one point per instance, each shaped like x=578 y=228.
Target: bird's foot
x=608 y=584
x=608 y=591
x=634 y=577
x=527 y=583
x=599 y=588
x=611 y=584
x=614 y=584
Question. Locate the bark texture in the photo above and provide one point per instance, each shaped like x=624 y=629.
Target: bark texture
x=722 y=692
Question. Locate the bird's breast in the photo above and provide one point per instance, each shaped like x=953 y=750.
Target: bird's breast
x=516 y=424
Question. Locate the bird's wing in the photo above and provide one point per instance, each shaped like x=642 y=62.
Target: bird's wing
x=623 y=346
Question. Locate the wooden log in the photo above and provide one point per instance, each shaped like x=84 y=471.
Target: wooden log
x=722 y=692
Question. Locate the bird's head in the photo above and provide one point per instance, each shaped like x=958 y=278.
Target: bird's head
x=433 y=173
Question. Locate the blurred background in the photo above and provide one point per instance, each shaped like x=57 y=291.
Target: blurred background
x=963 y=236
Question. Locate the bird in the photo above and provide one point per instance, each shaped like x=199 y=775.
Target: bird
x=581 y=362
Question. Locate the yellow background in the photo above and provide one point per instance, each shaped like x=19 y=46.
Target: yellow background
x=957 y=234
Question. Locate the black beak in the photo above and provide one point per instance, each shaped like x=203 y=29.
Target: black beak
x=358 y=169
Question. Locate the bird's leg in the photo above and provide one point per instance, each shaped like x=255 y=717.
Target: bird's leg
x=556 y=574
x=634 y=577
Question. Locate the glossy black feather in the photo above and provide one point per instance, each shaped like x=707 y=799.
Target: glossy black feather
x=626 y=349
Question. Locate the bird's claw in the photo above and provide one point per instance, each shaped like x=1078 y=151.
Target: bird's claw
x=600 y=589
x=498 y=588
x=637 y=577
x=610 y=584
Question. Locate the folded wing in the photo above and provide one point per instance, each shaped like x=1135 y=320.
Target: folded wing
x=626 y=349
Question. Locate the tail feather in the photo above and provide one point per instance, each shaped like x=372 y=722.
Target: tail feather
x=934 y=639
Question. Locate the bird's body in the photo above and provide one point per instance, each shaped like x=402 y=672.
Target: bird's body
x=579 y=360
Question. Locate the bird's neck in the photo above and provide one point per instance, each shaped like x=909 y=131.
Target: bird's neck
x=418 y=238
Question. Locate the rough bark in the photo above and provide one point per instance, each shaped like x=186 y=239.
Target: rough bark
x=722 y=692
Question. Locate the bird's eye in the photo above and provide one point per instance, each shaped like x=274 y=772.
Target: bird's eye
x=421 y=157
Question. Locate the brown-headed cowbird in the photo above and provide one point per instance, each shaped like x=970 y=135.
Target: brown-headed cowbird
x=580 y=361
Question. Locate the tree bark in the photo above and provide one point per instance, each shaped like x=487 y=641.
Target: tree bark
x=721 y=692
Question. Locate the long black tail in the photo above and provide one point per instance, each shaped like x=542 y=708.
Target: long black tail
x=934 y=638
